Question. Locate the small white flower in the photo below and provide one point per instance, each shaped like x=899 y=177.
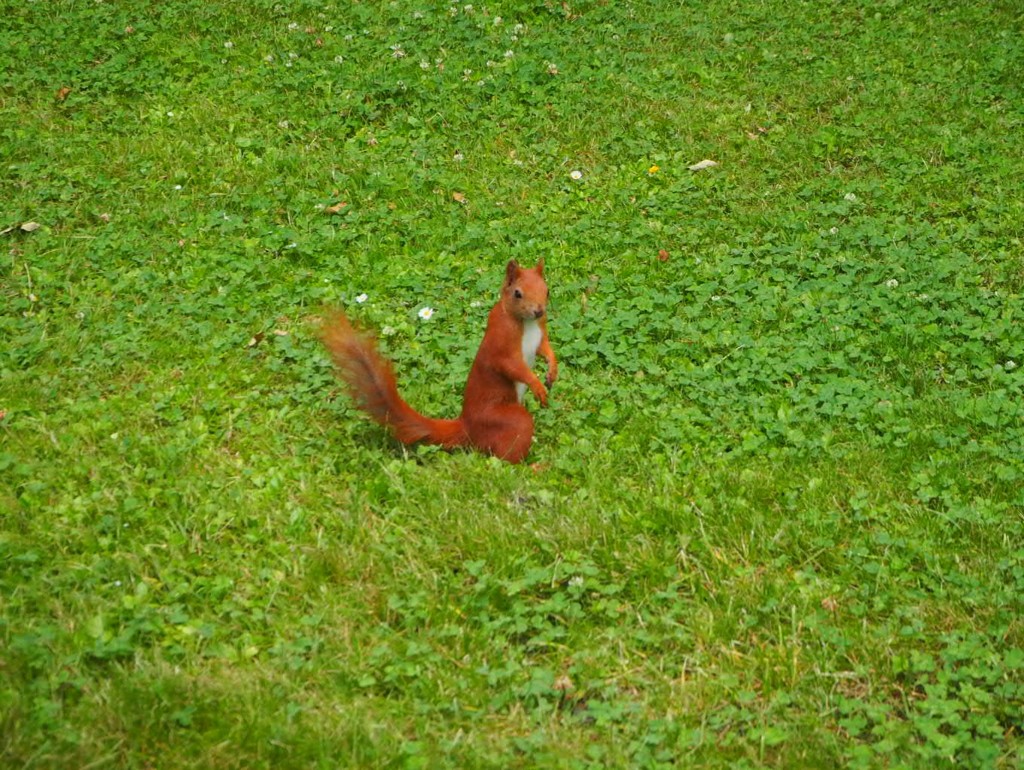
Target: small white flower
x=269 y=57
x=293 y=26
x=228 y=44
x=329 y=28
x=715 y=298
x=387 y=331
x=577 y=175
x=425 y=313
x=292 y=245
x=892 y=283
x=458 y=157
x=497 y=20
x=468 y=8
x=362 y=298
x=170 y=114
x=283 y=124
x=418 y=15
x=576 y=581
x=397 y=52
x=850 y=197
x=424 y=65
x=509 y=54
x=833 y=230
x=117 y=583
x=1010 y=365
x=517 y=29
x=339 y=59
x=177 y=187
x=293 y=56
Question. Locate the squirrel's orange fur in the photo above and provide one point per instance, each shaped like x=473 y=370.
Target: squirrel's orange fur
x=493 y=418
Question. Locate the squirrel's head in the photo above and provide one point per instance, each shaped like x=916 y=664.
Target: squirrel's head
x=525 y=295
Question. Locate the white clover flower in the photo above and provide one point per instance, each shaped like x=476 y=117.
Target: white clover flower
x=509 y=54
x=576 y=581
x=424 y=65
x=362 y=298
x=426 y=313
x=269 y=57
x=387 y=331
x=293 y=56
x=177 y=187
x=228 y=44
x=458 y=157
x=397 y=52
x=170 y=114
x=892 y=283
x=339 y=59
x=577 y=175
x=850 y=197
x=833 y=230
x=293 y=26
x=715 y=298
x=497 y=20
x=1010 y=365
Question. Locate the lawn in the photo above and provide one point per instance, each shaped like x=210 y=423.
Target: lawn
x=773 y=515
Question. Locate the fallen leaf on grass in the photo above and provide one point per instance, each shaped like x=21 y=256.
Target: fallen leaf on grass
x=280 y=332
x=62 y=94
x=663 y=255
x=458 y=197
x=703 y=165
x=257 y=338
x=27 y=227
x=336 y=207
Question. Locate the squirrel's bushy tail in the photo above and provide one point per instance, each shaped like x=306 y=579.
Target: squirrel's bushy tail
x=371 y=382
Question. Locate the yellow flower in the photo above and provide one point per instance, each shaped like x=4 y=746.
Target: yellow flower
x=653 y=170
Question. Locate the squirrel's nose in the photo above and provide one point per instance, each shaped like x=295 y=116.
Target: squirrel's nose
x=538 y=312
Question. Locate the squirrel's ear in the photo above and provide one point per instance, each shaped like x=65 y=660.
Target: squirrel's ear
x=511 y=271
x=540 y=266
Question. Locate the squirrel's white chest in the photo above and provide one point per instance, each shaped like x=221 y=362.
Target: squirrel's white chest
x=531 y=342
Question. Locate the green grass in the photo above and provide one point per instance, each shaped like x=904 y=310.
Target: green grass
x=775 y=517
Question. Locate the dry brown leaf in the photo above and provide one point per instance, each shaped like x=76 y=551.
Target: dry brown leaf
x=280 y=332
x=257 y=338
x=663 y=255
x=62 y=94
x=458 y=197
x=336 y=207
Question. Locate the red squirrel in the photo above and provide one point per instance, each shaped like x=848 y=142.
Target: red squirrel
x=493 y=418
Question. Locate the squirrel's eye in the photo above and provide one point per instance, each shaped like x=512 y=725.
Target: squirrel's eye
x=519 y=294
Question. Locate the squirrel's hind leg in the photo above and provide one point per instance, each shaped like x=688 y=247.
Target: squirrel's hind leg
x=505 y=431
